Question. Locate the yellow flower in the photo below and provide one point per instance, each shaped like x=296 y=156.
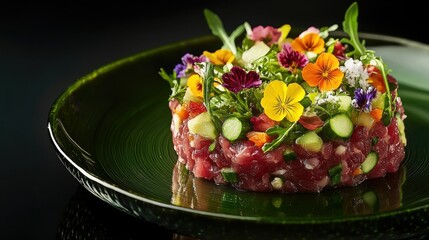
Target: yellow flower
x=195 y=84
x=220 y=57
x=281 y=100
x=285 y=29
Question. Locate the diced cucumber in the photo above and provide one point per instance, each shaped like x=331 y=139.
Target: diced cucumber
x=277 y=183
x=229 y=175
x=335 y=170
x=234 y=128
x=202 y=125
x=339 y=126
x=310 y=141
x=335 y=174
x=363 y=119
x=370 y=162
x=345 y=103
x=289 y=154
x=189 y=96
x=401 y=128
x=374 y=140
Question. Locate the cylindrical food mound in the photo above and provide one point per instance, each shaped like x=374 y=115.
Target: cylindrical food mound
x=286 y=112
x=246 y=167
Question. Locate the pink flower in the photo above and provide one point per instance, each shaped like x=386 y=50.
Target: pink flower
x=268 y=35
x=309 y=30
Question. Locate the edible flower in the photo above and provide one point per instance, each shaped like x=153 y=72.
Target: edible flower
x=237 y=79
x=310 y=42
x=282 y=101
x=268 y=35
x=195 y=84
x=362 y=99
x=285 y=29
x=220 y=57
x=311 y=29
x=291 y=59
x=375 y=78
x=355 y=73
x=188 y=61
x=324 y=73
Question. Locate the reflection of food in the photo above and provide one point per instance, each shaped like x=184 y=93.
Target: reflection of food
x=287 y=116
x=376 y=195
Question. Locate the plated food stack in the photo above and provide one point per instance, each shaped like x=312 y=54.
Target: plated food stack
x=286 y=113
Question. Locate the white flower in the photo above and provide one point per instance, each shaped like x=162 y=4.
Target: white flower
x=355 y=74
x=324 y=97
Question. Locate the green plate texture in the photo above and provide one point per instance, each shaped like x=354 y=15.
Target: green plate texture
x=111 y=130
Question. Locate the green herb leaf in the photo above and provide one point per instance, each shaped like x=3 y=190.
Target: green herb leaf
x=276 y=142
x=350 y=26
x=207 y=89
x=387 y=114
x=177 y=90
x=216 y=26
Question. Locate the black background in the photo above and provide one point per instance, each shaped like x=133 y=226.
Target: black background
x=45 y=47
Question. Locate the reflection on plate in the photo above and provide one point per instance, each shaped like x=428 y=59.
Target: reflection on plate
x=86 y=217
x=113 y=135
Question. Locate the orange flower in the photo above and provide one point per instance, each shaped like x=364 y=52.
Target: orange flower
x=220 y=57
x=376 y=78
x=311 y=42
x=324 y=73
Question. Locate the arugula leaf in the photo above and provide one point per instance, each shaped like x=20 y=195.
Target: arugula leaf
x=276 y=142
x=350 y=26
x=216 y=26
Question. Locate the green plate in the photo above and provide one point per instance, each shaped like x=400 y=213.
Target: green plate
x=111 y=130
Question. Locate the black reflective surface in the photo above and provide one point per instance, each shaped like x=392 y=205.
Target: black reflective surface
x=45 y=48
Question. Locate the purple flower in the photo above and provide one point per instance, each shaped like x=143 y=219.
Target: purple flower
x=237 y=79
x=291 y=59
x=188 y=61
x=180 y=70
x=362 y=99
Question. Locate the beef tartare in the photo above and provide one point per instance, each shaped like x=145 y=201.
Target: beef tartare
x=286 y=113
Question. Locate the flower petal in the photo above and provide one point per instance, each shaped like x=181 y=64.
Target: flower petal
x=333 y=81
x=285 y=29
x=295 y=93
x=328 y=60
x=311 y=73
x=273 y=100
x=195 y=84
x=294 y=111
